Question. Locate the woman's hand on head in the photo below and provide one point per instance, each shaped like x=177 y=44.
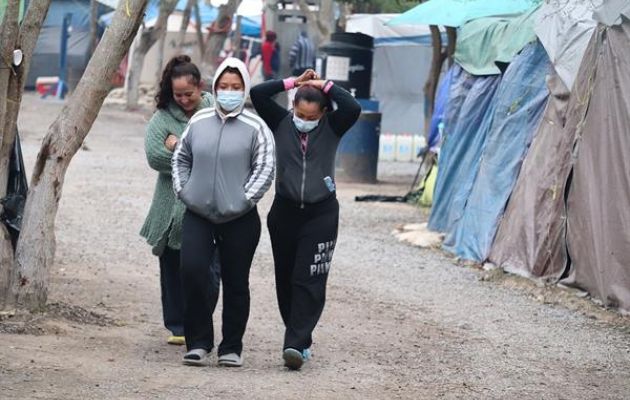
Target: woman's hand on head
x=171 y=142
x=308 y=75
x=316 y=83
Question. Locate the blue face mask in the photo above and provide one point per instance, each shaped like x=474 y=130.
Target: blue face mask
x=229 y=100
x=304 y=126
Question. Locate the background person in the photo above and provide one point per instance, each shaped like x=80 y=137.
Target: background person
x=302 y=55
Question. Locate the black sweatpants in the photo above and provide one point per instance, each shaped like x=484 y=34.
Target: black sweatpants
x=303 y=241
x=236 y=241
x=171 y=285
x=172 y=297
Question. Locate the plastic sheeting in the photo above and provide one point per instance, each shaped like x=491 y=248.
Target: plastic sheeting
x=483 y=42
x=461 y=150
x=565 y=30
x=398 y=76
x=437 y=119
x=598 y=203
x=531 y=238
x=612 y=11
x=376 y=26
x=456 y=12
x=521 y=99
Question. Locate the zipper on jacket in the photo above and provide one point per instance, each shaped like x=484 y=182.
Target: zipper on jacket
x=216 y=162
x=303 y=179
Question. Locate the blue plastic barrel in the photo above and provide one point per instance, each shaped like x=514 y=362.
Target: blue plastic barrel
x=357 y=155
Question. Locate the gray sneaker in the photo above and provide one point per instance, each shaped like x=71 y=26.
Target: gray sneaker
x=230 y=360
x=196 y=358
x=293 y=359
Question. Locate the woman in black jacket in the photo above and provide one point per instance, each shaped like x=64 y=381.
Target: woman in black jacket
x=304 y=217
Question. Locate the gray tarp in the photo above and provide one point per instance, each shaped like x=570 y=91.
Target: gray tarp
x=598 y=204
x=565 y=28
x=531 y=238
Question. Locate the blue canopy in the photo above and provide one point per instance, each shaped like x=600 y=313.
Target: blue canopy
x=250 y=26
x=457 y=12
x=207 y=13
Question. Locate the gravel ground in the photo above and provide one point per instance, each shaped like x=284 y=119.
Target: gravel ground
x=400 y=322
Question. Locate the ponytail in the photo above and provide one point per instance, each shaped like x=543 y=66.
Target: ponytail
x=177 y=67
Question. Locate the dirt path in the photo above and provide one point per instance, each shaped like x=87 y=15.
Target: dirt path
x=399 y=323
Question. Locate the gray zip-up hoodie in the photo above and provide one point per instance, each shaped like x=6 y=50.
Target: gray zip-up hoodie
x=225 y=162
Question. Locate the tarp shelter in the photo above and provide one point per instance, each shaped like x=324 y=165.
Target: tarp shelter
x=578 y=198
x=483 y=43
x=470 y=113
x=48 y=49
x=402 y=59
x=464 y=137
x=457 y=12
x=520 y=101
x=565 y=30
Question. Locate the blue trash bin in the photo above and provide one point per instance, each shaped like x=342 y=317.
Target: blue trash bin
x=357 y=155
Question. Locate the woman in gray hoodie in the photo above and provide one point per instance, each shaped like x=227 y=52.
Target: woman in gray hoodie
x=222 y=167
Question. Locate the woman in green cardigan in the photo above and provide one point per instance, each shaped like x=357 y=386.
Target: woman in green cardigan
x=178 y=98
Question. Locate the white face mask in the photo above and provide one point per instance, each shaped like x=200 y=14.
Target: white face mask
x=304 y=126
x=229 y=100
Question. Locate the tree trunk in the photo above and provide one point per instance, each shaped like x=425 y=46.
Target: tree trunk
x=236 y=46
x=36 y=246
x=200 y=42
x=321 y=23
x=93 y=25
x=11 y=88
x=217 y=35
x=147 y=40
x=181 y=37
x=430 y=86
x=9 y=31
x=451 y=34
x=160 y=58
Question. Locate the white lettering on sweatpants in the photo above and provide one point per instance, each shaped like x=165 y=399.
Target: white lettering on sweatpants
x=322 y=258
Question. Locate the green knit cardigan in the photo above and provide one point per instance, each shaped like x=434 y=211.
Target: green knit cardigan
x=163 y=225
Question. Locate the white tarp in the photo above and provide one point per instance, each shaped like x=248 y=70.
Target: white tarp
x=564 y=29
x=374 y=25
x=610 y=13
x=402 y=59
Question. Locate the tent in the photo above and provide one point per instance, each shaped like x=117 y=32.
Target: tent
x=568 y=218
x=489 y=122
x=47 y=51
x=402 y=59
x=520 y=101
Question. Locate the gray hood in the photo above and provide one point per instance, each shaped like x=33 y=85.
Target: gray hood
x=242 y=68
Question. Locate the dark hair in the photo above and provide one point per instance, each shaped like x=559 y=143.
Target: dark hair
x=312 y=95
x=231 y=70
x=177 y=67
x=270 y=36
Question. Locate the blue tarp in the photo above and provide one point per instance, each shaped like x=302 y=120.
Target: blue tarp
x=520 y=101
x=440 y=108
x=250 y=26
x=465 y=130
